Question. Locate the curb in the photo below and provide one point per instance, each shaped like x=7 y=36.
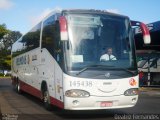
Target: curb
x=149 y=89
x=1 y=78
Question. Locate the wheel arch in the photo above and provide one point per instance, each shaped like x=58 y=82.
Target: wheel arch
x=43 y=85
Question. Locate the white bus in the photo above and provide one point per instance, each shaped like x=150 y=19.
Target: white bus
x=149 y=56
x=59 y=62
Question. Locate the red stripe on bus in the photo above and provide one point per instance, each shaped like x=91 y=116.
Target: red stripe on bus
x=37 y=93
x=57 y=102
x=29 y=89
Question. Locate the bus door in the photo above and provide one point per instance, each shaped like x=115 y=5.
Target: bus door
x=47 y=71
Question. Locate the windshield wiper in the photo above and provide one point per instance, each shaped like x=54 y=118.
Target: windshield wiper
x=93 y=66
x=104 y=66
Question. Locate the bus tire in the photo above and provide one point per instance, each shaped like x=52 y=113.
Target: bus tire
x=14 y=83
x=18 y=87
x=46 y=99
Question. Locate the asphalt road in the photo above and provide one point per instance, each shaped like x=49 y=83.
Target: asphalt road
x=14 y=106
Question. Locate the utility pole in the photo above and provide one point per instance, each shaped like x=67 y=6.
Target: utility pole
x=149 y=74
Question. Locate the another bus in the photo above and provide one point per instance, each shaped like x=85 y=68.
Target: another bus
x=58 y=61
x=149 y=56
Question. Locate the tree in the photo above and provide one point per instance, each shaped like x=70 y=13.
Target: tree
x=5 y=50
x=7 y=38
x=3 y=30
x=4 y=61
x=10 y=38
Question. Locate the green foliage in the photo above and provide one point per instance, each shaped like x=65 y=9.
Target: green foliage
x=8 y=60
x=10 y=38
x=5 y=64
x=3 y=30
x=7 y=38
x=5 y=59
x=1 y=74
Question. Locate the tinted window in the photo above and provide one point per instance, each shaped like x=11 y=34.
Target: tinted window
x=50 y=36
x=18 y=47
x=28 y=42
x=31 y=39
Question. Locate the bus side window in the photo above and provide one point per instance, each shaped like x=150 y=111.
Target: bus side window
x=51 y=37
x=58 y=51
x=48 y=38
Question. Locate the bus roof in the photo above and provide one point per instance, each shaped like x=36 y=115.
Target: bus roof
x=93 y=11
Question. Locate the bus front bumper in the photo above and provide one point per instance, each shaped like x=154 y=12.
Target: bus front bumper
x=95 y=102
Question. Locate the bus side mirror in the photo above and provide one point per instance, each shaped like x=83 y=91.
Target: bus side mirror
x=144 y=30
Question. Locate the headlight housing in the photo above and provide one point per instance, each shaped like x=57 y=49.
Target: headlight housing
x=131 y=92
x=77 y=93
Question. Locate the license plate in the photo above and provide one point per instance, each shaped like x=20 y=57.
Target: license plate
x=106 y=104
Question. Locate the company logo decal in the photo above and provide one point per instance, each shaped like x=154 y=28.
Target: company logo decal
x=107 y=75
x=132 y=82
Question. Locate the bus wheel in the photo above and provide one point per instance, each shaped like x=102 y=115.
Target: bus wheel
x=18 y=87
x=14 y=84
x=46 y=99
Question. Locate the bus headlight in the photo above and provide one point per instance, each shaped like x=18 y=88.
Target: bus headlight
x=77 y=93
x=131 y=92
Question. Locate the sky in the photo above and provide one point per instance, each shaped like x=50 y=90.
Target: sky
x=22 y=15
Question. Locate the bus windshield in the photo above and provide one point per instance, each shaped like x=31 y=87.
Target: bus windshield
x=91 y=36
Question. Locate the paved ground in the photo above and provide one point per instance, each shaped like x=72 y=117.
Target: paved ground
x=26 y=107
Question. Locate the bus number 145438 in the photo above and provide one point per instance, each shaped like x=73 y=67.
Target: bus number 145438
x=80 y=83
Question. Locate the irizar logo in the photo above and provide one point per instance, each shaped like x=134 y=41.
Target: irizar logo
x=107 y=75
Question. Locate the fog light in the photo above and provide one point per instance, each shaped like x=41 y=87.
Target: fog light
x=77 y=93
x=75 y=102
x=134 y=100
